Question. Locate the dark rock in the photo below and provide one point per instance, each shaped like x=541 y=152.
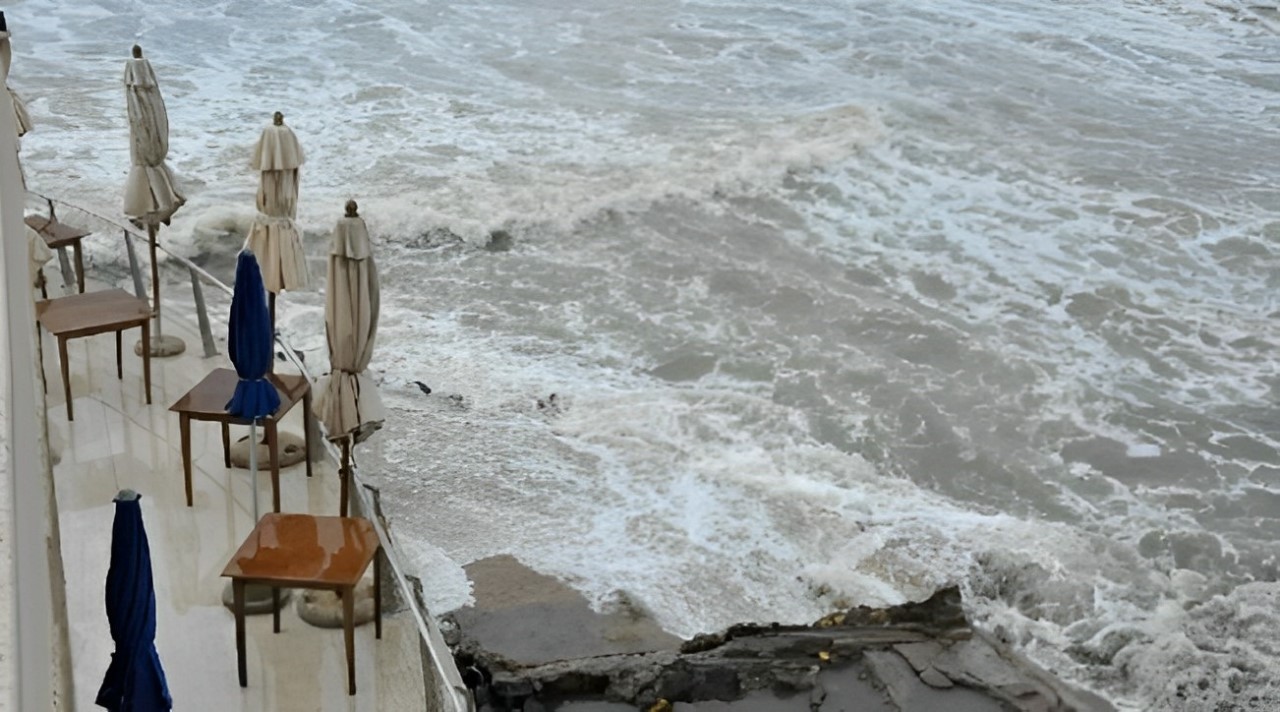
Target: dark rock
x=940 y=613
x=696 y=682
x=577 y=684
x=426 y=390
x=675 y=684
x=550 y=405
x=702 y=642
x=499 y=241
x=511 y=686
x=718 y=683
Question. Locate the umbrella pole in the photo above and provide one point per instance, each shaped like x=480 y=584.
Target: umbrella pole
x=271 y=310
x=345 y=474
x=161 y=345
x=253 y=466
x=155 y=275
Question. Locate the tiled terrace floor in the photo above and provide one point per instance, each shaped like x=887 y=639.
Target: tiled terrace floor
x=117 y=442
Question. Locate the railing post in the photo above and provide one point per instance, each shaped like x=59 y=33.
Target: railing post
x=68 y=277
x=133 y=266
x=202 y=314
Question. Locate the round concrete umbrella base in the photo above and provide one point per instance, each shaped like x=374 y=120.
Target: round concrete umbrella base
x=257 y=598
x=162 y=346
x=323 y=609
x=292 y=451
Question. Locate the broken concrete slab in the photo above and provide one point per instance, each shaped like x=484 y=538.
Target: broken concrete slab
x=541 y=644
x=908 y=692
x=532 y=619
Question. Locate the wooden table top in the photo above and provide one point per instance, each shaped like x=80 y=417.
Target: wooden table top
x=304 y=549
x=55 y=234
x=208 y=399
x=92 y=312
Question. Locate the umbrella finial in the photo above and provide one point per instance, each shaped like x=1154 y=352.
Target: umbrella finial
x=352 y=209
x=137 y=52
x=278 y=118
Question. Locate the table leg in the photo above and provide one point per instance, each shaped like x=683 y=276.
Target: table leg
x=237 y=594
x=226 y=445
x=273 y=444
x=377 y=592
x=66 y=374
x=146 y=357
x=79 y=255
x=308 y=424
x=120 y=354
x=349 y=635
x=184 y=428
x=275 y=609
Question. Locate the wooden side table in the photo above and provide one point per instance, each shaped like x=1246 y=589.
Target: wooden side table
x=307 y=551
x=58 y=235
x=208 y=401
x=96 y=313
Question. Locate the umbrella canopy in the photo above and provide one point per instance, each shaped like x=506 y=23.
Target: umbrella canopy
x=277 y=156
x=135 y=680
x=39 y=253
x=150 y=193
x=249 y=338
x=348 y=402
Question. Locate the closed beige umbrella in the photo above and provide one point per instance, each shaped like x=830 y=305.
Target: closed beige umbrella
x=347 y=403
x=274 y=238
x=151 y=195
x=20 y=114
x=39 y=253
x=22 y=120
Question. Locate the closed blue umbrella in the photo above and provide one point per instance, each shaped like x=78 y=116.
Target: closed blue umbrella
x=135 y=680
x=249 y=339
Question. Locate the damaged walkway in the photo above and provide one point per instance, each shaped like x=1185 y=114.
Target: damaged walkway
x=535 y=645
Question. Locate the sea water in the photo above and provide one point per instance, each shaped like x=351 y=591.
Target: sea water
x=841 y=301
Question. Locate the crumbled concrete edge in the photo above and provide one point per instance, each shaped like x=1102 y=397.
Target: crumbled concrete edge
x=910 y=657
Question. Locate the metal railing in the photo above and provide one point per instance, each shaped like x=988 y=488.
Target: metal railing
x=449 y=690
x=80 y=215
